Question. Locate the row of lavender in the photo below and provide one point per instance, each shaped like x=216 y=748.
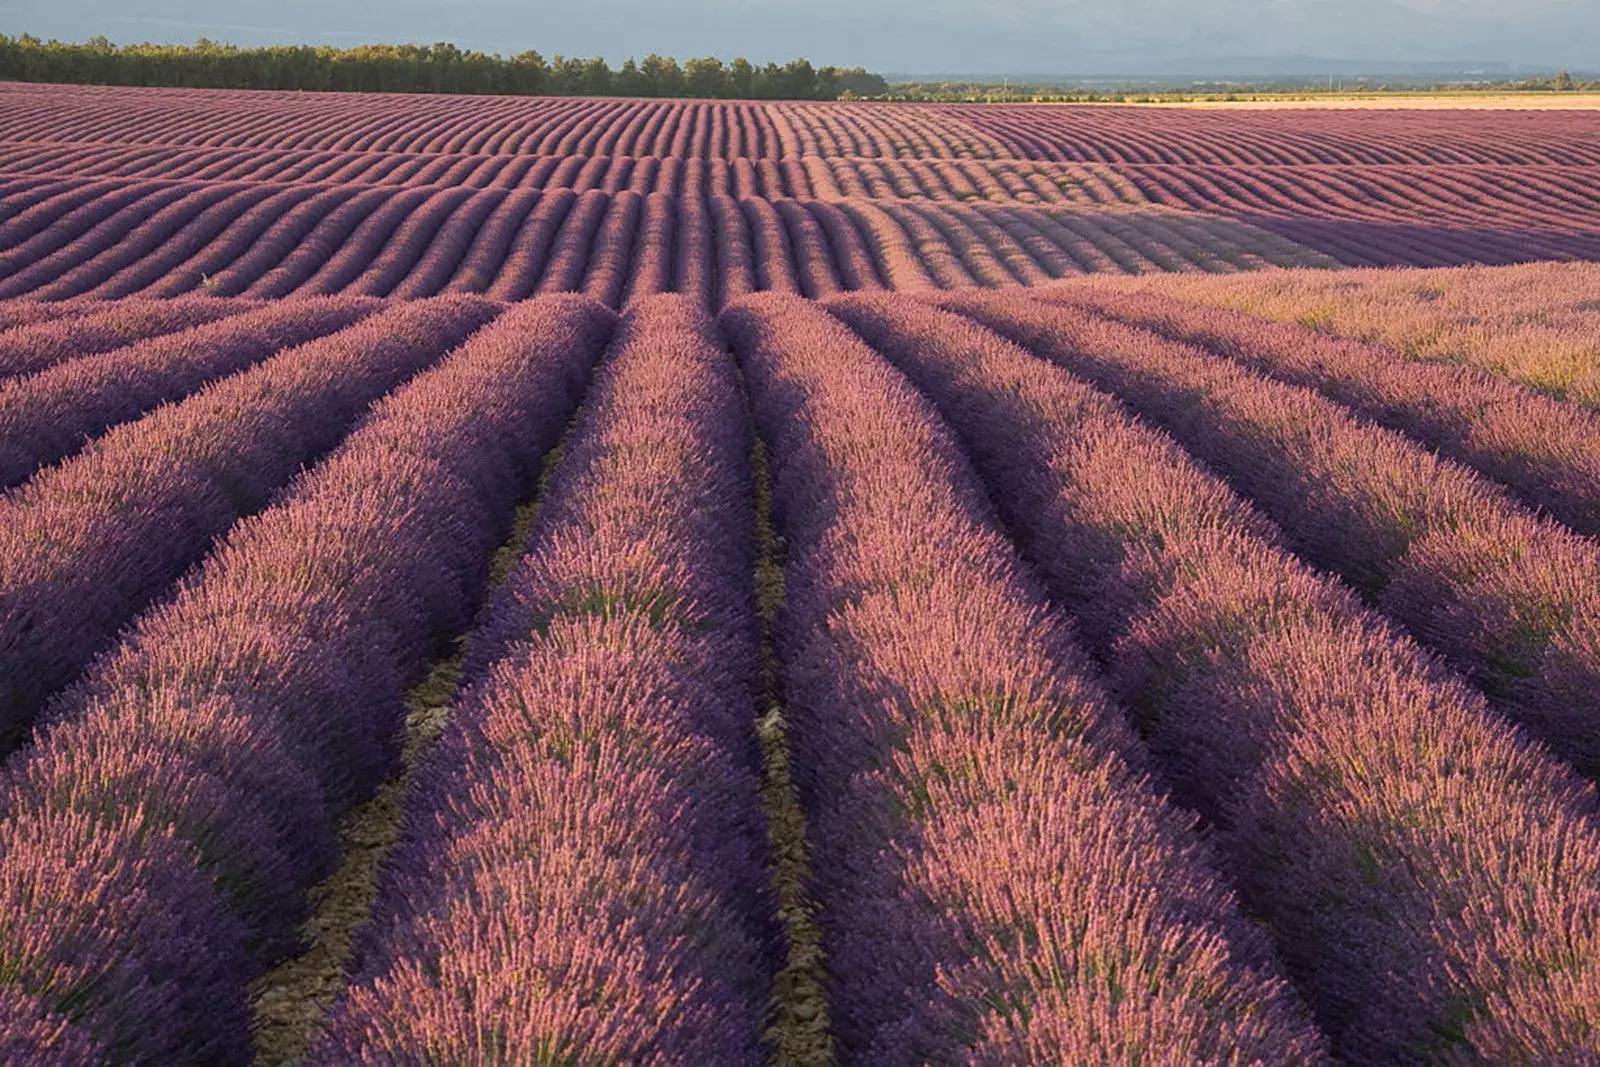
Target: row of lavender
x=1429 y=875
x=86 y=544
x=1435 y=215
x=1396 y=835
x=559 y=126
x=583 y=880
x=1510 y=596
x=597 y=786
x=182 y=119
x=182 y=797
x=117 y=238
x=163 y=828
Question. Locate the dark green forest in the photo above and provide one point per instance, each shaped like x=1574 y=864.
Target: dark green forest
x=412 y=68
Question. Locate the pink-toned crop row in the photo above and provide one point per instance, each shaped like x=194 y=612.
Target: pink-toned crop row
x=1359 y=216
x=384 y=122
x=55 y=170
x=28 y=166
x=1431 y=876
x=85 y=545
x=600 y=775
x=741 y=177
x=1289 y=138
x=160 y=240
x=1537 y=324
x=553 y=126
x=1548 y=197
x=1512 y=598
x=15 y=314
x=995 y=879
x=162 y=833
x=31 y=347
x=47 y=416
x=1400 y=216
x=1546 y=452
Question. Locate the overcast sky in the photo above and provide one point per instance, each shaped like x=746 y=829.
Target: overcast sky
x=1039 y=36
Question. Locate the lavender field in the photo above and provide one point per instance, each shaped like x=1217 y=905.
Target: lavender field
x=562 y=581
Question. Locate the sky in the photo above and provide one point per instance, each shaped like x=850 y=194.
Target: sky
x=900 y=36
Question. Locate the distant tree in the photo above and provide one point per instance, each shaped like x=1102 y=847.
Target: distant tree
x=741 y=79
x=705 y=77
x=798 y=81
x=662 y=75
x=863 y=83
x=1564 y=81
x=596 y=78
x=440 y=67
x=566 y=75
x=628 y=80
x=529 y=73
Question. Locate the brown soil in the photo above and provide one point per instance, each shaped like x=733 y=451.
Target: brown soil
x=798 y=1028
x=292 y=1000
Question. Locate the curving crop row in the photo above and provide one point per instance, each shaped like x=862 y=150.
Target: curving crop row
x=37 y=229
x=86 y=545
x=68 y=240
x=1547 y=452
x=1544 y=197
x=1429 y=216
x=49 y=415
x=183 y=124
x=996 y=880
x=697 y=253
x=367 y=245
x=422 y=240
x=601 y=774
x=530 y=249
x=1511 y=598
x=735 y=272
x=244 y=253
x=446 y=256
x=161 y=836
x=1288 y=138
x=653 y=265
x=18 y=314
x=611 y=259
x=89 y=328
x=410 y=242
x=305 y=241
x=814 y=254
x=1399 y=839
x=770 y=248
x=851 y=252
x=182 y=227
x=187 y=265
x=104 y=128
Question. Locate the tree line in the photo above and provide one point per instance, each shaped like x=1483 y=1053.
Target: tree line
x=413 y=68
